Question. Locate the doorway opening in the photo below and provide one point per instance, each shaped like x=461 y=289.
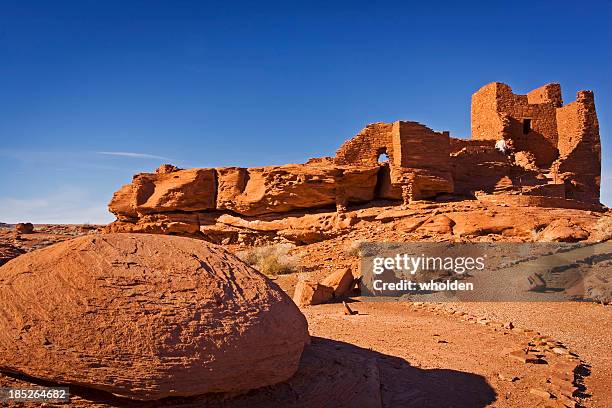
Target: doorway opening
x=526 y=126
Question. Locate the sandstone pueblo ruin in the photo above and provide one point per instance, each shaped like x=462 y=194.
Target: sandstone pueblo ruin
x=525 y=150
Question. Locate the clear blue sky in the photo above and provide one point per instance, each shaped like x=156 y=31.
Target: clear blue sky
x=199 y=83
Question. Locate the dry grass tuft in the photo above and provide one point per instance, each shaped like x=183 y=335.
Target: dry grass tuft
x=353 y=248
x=271 y=260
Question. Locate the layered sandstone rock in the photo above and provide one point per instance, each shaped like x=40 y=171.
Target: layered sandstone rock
x=281 y=189
x=254 y=191
x=526 y=150
x=161 y=192
x=146 y=316
x=174 y=201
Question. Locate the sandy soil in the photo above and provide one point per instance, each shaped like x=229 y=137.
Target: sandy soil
x=437 y=355
x=436 y=340
x=430 y=356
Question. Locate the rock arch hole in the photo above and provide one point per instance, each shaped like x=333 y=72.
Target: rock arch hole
x=382 y=156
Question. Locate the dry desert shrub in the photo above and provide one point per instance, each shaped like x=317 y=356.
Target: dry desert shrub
x=353 y=248
x=271 y=260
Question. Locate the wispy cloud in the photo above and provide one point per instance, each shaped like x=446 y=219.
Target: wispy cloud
x=67 y=205
x=134 y=155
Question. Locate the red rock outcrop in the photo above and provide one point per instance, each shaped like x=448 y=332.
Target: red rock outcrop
x=24 y=228
x=563 y=230
x=146 y=317
x=254 y=191
x=8 y=252
x=180 y=190
x=526 y=150
x=280 y=189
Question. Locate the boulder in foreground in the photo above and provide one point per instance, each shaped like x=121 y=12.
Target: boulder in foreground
x=146 y=317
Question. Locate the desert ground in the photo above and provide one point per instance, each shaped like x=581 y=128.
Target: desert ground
x=404 y=353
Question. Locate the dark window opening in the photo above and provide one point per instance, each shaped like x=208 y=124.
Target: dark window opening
x=526 y=126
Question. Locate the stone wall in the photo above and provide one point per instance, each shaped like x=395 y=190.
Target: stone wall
x=563 y=138
x=549 y=93
x=419 y=158
x=420 y=147
x=579 y=164
x=487 y=123
x=528 y=120
x=477 y=166
x=369 y=146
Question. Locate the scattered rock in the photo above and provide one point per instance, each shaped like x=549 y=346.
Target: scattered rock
x=24 y=228
x=507 y=377
x=525 y=358
x=541 y=393
x=563 y=230
x=568 y=367
x=341 y=281
x=309 y=293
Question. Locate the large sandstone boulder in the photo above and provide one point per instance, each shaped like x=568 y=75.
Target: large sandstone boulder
x=146 y=316
x=181 y=190
x=252 y=191
x=278 y=189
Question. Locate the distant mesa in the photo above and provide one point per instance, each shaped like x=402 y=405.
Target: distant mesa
x=547 y=155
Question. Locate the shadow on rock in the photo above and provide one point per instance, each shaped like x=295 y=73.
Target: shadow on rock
x=332 y=374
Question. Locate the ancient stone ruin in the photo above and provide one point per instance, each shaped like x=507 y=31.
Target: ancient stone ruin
x=525 y=150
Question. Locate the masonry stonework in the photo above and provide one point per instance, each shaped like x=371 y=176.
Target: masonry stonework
x=564 y=139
